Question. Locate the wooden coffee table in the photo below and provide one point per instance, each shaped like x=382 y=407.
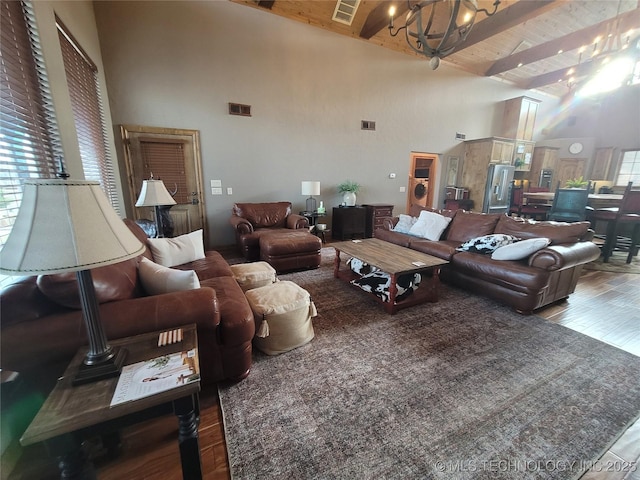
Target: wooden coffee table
x=394 y=260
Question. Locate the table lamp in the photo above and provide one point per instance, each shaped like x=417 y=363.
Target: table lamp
x=155 y=194
x=311 y=189
x=69 y=226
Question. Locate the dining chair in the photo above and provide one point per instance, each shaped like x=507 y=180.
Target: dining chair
x=628 y=213
x=569 y=204
x=520 y=208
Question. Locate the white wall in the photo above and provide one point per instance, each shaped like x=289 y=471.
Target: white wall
x=178 y=64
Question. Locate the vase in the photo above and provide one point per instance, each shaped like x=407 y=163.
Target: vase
x=349 y=199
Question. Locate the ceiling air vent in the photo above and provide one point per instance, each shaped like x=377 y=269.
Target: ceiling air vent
x=345 y=11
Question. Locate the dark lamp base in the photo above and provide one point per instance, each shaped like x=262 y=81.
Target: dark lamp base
x=100 y=371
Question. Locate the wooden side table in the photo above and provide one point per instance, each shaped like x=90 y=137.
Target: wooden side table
x=71 y=414
x=375 y=213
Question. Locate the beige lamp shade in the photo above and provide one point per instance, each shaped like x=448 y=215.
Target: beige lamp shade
x=154 y=193
x=66 y=226
x=310 y=188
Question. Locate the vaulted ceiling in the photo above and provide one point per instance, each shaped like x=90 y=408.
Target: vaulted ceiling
x=535 y=44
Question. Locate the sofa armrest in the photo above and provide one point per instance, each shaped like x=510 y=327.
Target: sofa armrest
x=559 y=257
x=241 y=225
x=387 y=223
x=24 y=348
x=295 y=221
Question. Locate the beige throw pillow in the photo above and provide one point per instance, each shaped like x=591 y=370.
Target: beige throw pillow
x=176 y=251
x=157 y=279
x=430 y=225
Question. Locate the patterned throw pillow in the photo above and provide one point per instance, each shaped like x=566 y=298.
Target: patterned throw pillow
x=405 y=223
x=487 y=243
x=378 y=284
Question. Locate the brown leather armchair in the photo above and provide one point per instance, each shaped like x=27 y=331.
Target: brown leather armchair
x=253 y=220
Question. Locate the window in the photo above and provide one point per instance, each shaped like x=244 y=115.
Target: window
x=629 y=168
x=29 y=139
x=86 y=104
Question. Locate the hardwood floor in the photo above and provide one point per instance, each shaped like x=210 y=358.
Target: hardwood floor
x=605 y=306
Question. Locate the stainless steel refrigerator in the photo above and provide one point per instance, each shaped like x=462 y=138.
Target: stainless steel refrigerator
x=497 y=190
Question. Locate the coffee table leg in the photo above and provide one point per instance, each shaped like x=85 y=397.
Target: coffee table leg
x=435 y=282
x=336 y=264
x=390 y=306
x=73 y=461
x=185 y=409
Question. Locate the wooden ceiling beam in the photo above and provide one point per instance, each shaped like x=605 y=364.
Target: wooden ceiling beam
x=507 y=18
x=378 y=18
x=628 y=20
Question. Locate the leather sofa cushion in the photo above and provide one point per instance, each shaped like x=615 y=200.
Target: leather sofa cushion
x=113 y=282
x=264 y=215
x=557 y=232
x=212 y=265
x=468 y=225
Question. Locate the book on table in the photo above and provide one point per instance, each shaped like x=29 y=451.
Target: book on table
x=146 y=378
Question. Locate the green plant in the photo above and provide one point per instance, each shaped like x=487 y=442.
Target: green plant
x=349 y=186
x=576 y=183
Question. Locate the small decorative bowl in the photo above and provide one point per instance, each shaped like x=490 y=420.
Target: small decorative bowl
x=321 y=226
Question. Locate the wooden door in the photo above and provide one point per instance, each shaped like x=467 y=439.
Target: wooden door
x=569 y=168
x=173 y=156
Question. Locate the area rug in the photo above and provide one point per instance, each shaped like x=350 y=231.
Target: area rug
x=463 y=388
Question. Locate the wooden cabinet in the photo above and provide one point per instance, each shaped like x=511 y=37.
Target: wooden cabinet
x=348 y=222
x=544 y=158
x=375 y=213
x=602 y=163
x=523 y=155
x=520 y=118
x=478 y=154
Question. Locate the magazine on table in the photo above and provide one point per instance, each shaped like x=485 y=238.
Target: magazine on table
x=149 y=377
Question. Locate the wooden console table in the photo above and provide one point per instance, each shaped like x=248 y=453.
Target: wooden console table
x=71 y=414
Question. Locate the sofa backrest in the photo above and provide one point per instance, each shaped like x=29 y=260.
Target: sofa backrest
x=467 y=225
x=264 y=215
x=558 y=232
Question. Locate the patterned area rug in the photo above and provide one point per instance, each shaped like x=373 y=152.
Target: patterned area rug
x=464 y=388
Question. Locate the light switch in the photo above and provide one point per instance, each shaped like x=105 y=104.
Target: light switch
x=403 y=189
x=216 y=183
x=216 y=191
x=229 y=191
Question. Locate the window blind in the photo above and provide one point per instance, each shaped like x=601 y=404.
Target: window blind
x=86 y=104
x=166 y=161
x=29 y=138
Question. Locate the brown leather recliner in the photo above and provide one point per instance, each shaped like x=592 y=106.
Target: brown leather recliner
x=42 y=325
x=253 y=220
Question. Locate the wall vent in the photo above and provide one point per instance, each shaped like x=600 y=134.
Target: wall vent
x=345 y=11
x=367 y=125
x=460 y=136
x=264 y=3
x=239 y=109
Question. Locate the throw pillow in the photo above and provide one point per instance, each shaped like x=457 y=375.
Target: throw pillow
x=521 y=249
x=378 y=283
x=430 y=225
x=176 y=251
x=405 y=222
x=487 y=243
x=157 y=279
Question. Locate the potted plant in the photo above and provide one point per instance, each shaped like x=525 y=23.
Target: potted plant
x=349 y=189
x=576 y=183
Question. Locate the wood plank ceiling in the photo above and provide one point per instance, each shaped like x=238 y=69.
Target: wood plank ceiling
x=535 y=44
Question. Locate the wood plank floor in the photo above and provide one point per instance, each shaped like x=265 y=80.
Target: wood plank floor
x=605 y=306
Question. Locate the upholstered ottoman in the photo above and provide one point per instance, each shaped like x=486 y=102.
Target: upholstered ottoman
x=291 y=251
x=253 y=275
x=283 y=312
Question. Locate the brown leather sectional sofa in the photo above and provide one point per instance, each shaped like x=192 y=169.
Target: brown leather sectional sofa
x=546 y=276
x=42 y=329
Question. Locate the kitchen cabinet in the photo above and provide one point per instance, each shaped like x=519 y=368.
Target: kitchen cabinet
x=602 y=163
x=519 y=118
x=544 y=158
x=523 y=155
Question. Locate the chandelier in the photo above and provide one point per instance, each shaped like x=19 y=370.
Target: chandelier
x=435 y=28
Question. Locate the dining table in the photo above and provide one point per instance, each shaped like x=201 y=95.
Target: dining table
x=596 y=200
